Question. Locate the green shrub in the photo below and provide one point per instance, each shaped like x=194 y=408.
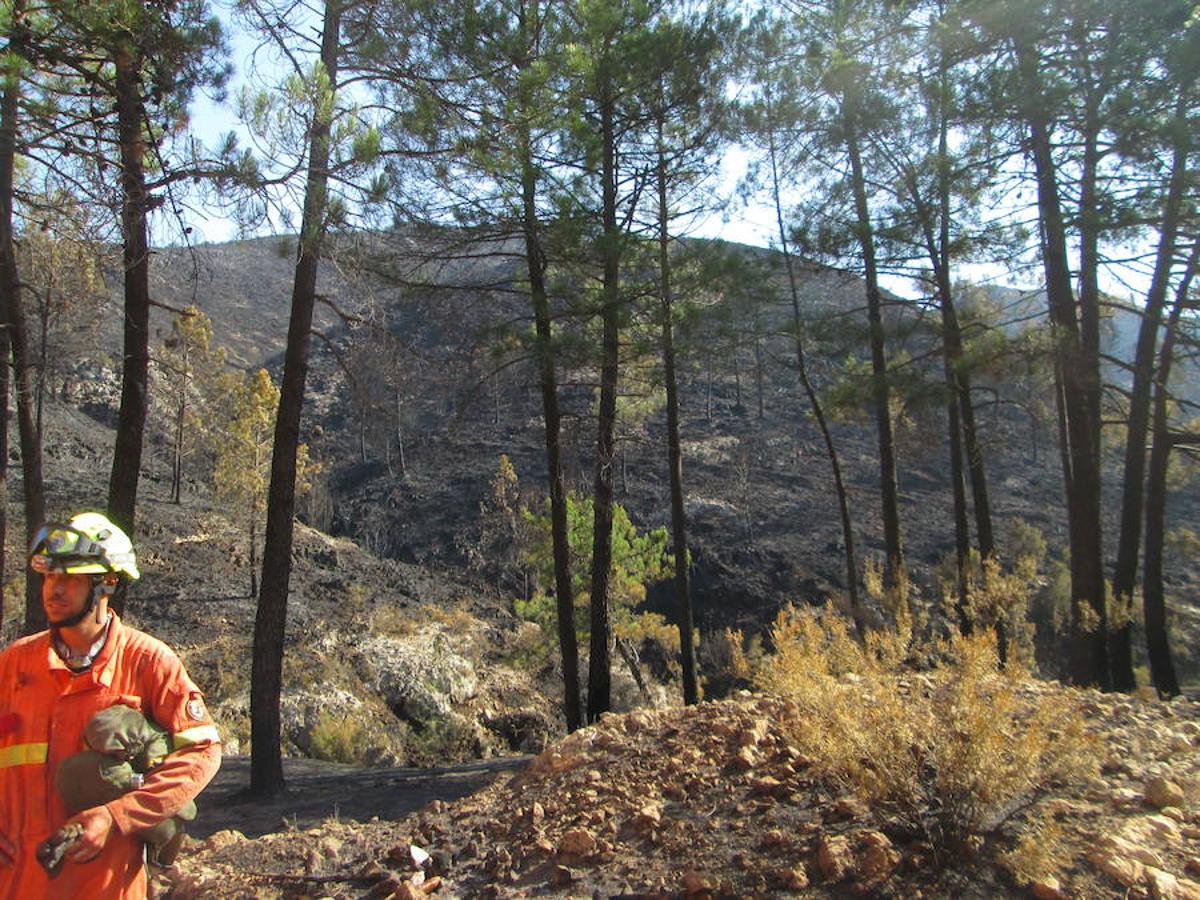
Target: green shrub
x=341 y=738
x=448 y=740
x=638 y=559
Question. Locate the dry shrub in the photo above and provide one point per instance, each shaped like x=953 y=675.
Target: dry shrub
x=949 y=753
x=1040 y=852
x=998 y=595
x=727 y=652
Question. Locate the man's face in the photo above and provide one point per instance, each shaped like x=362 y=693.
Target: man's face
x=64 y=595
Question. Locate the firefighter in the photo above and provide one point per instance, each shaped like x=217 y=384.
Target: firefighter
x=51 y=686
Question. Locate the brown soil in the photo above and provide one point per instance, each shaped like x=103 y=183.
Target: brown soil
x=714 y=801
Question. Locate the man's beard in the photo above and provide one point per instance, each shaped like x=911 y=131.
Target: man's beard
x=72 y=620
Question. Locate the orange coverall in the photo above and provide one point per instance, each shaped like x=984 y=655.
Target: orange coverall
x=44 y=708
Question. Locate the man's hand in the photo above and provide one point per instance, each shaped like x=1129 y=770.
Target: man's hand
x=8 y=851
x=96 y=823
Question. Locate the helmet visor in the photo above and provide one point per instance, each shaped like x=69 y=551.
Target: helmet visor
x=63 y=548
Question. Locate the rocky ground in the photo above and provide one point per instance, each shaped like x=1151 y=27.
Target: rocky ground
x=716 y=801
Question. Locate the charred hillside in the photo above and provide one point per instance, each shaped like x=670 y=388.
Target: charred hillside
x=421 y=378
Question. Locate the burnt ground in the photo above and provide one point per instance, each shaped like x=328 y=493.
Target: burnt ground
x=319 y=791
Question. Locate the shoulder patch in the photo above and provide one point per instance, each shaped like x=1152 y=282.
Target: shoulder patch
x=196 y=710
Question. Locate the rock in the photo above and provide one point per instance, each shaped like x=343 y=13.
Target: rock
x=537 y=814
x=1124 y=797
x=647 y=819
x=849 y=808
x=695 y=884
x=1163 y=885
x=637 y=721
x=561 y=877
x=744 y=760
x=768 y=787
x=1174 y=813
x=1047 y=889
x=1156 y=828
x=329 y=848
x=439 y=862
x=408 y=891
x=792 y=879
x=1127 y=846
x=722 y=729
x=1128 y=872
x=555 y=760
x=389 y=886
x=772 y=839
x=834 y=858
x=221 y=839
x=755 y=734
x=1061 y=806
x=877 y=858
x=1161 y=792
x=577 y=844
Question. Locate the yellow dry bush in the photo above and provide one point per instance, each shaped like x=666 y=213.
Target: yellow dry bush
x=1040 y=853
x=997 y=595
x=950 y=752
x=724 y=651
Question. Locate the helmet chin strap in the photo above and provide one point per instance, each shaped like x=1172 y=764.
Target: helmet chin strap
x=99 y=589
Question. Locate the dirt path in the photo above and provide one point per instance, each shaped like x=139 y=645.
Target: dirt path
x=320 y=790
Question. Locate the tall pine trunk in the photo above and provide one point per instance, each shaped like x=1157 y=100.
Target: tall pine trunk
x=683 y=580
x=1088 y=662
x=600 y=661
x=881 y=394
x=131 y=419
x=180 y=419
x=939 y=255
x=814 y=401
x=535 y=261
x=1154 y=605
x=1133 y=479
x=266 y=673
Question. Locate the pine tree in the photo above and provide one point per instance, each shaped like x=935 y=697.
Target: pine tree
x=684 y=92
x=146 y=59
x=319 y=96
x=190 y=371
x=242 y=469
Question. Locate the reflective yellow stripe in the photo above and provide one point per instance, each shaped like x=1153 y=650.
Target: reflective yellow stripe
x=23 y=755
x=198 y=735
